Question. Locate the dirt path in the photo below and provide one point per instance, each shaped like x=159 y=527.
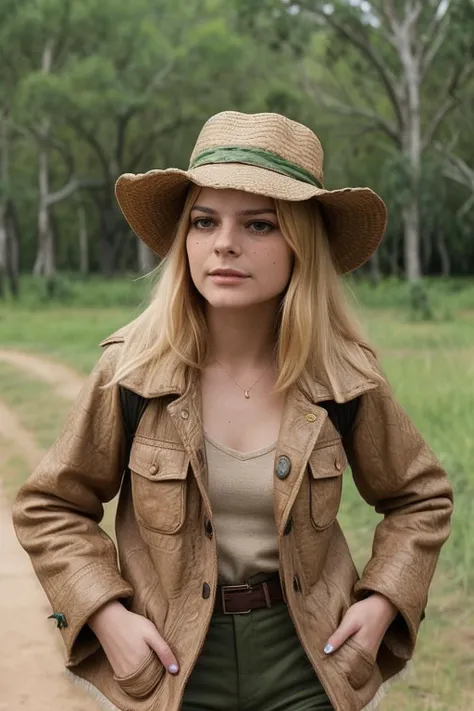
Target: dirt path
x=32 y=676
x=65 y=381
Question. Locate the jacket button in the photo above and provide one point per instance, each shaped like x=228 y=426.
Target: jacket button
x=283 y=467
x=296 y=584
x=208 y=528
x=184 y=414
x=206 y=591
x=153 y=469
x=338 y=464
x=288 y=527
x=311 y=417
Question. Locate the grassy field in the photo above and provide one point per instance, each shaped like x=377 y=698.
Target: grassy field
x=431 y=367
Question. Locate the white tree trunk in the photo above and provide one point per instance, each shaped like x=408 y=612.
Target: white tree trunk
x=146 y=258
x=411 y=141
x=45 y=258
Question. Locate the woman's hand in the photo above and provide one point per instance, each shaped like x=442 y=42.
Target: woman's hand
x=127 y=639
x=366 y=623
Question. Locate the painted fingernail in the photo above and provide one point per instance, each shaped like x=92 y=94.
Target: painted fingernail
x=328 y=649
x=173 y=669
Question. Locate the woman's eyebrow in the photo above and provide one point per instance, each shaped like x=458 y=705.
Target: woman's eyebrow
x=261 y=211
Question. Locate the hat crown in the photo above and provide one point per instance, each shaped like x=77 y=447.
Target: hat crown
x=270 y=132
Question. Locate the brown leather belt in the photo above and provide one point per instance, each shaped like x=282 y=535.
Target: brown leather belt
x=242 y=599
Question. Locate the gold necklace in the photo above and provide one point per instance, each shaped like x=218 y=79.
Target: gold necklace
x=246 y=391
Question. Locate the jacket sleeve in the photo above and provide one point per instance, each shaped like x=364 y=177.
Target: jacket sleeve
x=395 y=472
x=58 y=510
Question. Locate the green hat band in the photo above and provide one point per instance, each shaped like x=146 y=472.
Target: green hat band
x=255 y=156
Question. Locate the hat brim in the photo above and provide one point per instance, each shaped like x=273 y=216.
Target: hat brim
x=152 y=204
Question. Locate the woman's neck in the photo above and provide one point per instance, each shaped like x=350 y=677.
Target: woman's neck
x=242 y=338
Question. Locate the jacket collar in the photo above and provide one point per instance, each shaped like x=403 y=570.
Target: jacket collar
x=152 y=380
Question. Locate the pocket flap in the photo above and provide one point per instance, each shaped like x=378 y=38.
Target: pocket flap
x=158 y=461
x=328 y=461
x=143 y=680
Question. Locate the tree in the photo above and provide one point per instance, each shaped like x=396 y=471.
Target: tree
x=398 y=51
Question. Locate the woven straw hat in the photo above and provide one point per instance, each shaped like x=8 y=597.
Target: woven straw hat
x=267 y=154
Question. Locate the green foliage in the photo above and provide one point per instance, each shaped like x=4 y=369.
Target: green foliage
x=130 y=85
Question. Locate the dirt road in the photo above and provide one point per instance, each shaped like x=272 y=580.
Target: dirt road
x=32 y=676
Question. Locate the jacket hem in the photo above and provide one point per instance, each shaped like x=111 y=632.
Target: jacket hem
x=92 y=691
x=408 y=671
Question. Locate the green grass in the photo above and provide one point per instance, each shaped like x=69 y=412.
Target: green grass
x=68 y=334
x=31 y=400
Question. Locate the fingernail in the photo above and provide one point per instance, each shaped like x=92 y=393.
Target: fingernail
x=328 y=649
x=173 y=669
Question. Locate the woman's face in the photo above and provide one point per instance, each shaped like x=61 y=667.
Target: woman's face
x=237 y=255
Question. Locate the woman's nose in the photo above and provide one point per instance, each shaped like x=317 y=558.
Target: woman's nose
x=226 y=241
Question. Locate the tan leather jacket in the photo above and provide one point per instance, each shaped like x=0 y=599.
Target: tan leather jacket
x=167 y=550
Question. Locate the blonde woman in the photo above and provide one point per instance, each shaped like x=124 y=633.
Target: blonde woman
x=234 y=587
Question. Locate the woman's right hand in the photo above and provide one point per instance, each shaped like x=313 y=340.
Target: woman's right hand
x=127 y=638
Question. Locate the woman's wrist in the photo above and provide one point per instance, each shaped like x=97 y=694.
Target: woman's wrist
x=386 y=605
x=111 y=609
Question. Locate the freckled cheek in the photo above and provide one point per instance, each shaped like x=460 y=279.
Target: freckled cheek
x=195 y=257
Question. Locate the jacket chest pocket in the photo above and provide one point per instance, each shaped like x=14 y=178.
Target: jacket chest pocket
x=158 y=473
x=326 y=466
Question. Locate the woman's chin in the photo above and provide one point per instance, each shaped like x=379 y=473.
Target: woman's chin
x=230 y=303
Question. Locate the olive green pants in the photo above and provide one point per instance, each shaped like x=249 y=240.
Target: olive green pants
x=254 y=662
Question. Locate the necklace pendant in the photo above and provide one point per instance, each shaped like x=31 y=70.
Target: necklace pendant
x=246 y=394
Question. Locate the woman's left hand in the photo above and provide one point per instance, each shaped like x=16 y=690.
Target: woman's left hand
x=366 y=623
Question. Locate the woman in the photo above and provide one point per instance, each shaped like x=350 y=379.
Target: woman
x=259 y=390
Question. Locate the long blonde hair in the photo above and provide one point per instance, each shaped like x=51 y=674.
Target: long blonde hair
x=317 y=331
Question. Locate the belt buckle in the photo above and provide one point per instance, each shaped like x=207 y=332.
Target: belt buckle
x=245 y=587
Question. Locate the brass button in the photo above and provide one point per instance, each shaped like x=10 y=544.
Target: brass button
x=153 y=469
x=283 y=467
x=206 y=591
x=311 y=417
x=184 y=414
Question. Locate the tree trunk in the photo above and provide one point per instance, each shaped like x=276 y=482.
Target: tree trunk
x=146 y=258
x=443 y=254
x=426 y=251
x=83 y=238
x=13 y=251
x=111 y=235
x=411 y=236
x=375 y=271
x=45 y=261
x=412 y=148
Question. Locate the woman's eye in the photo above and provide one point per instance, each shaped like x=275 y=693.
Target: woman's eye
x=262 y=227
x=203 y=223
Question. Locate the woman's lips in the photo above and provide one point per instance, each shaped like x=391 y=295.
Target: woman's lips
x=222 y=278
x=227 y=276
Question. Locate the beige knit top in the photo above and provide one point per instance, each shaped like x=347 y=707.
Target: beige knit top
x=240 y=489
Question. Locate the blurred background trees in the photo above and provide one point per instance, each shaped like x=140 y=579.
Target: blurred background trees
x=89 y=90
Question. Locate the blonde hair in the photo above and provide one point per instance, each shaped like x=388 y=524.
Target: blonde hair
x=316 y=329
